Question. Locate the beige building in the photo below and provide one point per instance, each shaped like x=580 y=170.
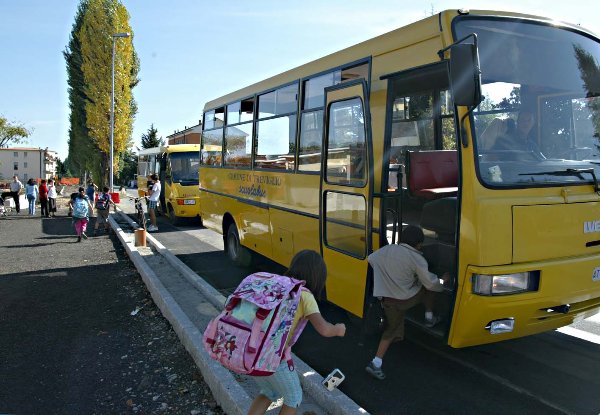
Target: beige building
x=189 y=135
x=27 y=162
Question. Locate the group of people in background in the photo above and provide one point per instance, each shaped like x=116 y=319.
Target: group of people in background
x=45 y=193
x=81 y=204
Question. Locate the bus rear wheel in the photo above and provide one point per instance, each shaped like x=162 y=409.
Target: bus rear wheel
x=173 y=220
x=239 y=254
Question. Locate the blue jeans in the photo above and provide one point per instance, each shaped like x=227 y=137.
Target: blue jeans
x=31 y=199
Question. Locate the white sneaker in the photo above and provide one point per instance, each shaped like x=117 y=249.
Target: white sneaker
x=433 y=321
x=152 y=228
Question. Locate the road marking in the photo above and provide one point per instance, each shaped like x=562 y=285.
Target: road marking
x=595 y=318
x=580 y=334
x=496 y=378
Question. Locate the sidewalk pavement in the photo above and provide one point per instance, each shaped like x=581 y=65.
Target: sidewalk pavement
x=79 y=333
x=189 y=303
x=184 y=298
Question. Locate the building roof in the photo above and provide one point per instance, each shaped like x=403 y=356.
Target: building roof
x=194 y=128
x=26 y=149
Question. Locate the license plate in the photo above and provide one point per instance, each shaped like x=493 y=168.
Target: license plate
x=193 y=202
x=596 y=274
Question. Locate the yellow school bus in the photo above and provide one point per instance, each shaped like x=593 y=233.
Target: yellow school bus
x=177 y=169
x=481 y=127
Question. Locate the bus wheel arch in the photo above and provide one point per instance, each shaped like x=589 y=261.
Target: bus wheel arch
x=173 y=219
x=234 y=249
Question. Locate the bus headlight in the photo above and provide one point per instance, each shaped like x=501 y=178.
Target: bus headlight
x=504 y=284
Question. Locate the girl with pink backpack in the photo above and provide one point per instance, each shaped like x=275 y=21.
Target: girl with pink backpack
x=307 y=266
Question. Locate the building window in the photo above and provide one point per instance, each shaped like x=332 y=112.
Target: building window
x=16 y=154
x=24 y=154
x=16 y=165
x=25 y=165
x=25 y=177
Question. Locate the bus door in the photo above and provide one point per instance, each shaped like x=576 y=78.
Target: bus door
x=345 y=207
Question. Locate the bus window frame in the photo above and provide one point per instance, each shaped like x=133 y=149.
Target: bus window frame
x=256 y=121
x=427 y=77
x=325 y=154
x=252 y=121
x=368 y=61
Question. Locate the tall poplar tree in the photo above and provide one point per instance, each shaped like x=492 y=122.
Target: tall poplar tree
x=89 y=62
x=80 y=146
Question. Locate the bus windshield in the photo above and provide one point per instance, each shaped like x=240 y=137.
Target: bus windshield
x=184 y=167
x=539 y=122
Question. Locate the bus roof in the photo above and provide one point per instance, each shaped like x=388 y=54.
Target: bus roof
x=419 y=31
x=173 y=148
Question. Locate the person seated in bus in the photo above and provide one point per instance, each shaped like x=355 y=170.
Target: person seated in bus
x=520 y=137
x=497 y=128
x=402 y=280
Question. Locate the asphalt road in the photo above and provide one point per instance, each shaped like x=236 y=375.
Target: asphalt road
x=69 y=343
x=551 y=373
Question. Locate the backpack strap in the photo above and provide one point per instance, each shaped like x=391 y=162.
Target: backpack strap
x=287 y=353
x=261 y=315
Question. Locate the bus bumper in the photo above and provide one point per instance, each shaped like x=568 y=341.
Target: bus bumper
x=568 y=292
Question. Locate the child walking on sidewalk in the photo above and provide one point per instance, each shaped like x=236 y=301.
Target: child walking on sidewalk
x=81 y=207
x=307 y=266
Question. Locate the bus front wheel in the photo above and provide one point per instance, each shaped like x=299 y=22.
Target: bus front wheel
x=239 y=254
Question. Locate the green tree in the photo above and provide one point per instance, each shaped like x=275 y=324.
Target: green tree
x=81 y=149
x=11 y=133
x=61 y=168
x=89 y=63
x=128 y=167
x=150 y=139
x=590 y=75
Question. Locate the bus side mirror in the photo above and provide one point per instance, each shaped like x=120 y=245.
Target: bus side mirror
x=465 y=75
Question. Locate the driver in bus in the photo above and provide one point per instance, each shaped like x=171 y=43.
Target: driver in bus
x=519 y=136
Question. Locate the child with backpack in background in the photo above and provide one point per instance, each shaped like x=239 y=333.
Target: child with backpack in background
x=103 y=208
x=285 y=304
x=80 y=206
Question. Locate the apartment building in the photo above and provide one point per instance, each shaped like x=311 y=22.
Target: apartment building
x=27 y=162
x=189 y=135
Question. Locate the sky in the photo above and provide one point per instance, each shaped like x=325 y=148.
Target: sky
x=193 y=51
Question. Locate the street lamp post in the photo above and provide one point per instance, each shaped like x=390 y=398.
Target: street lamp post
x=112 y=107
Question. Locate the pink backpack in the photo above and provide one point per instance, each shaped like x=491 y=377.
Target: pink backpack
x=250 y=334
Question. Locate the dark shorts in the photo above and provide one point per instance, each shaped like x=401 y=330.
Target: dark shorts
x=394 y=311
x=152 y=204
x=52 y=204
x=102 y=216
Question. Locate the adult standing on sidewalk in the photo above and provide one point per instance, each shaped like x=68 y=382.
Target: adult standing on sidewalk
x=16 y=187
x=154 y=194
x=44 y=199
x=52 y=195
x=32 y=192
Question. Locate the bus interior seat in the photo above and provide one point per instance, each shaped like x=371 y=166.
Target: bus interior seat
x=439 y=216
x=432 y=174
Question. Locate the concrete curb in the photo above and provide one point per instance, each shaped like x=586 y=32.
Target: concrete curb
x=227 y=391
x=335 y=402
